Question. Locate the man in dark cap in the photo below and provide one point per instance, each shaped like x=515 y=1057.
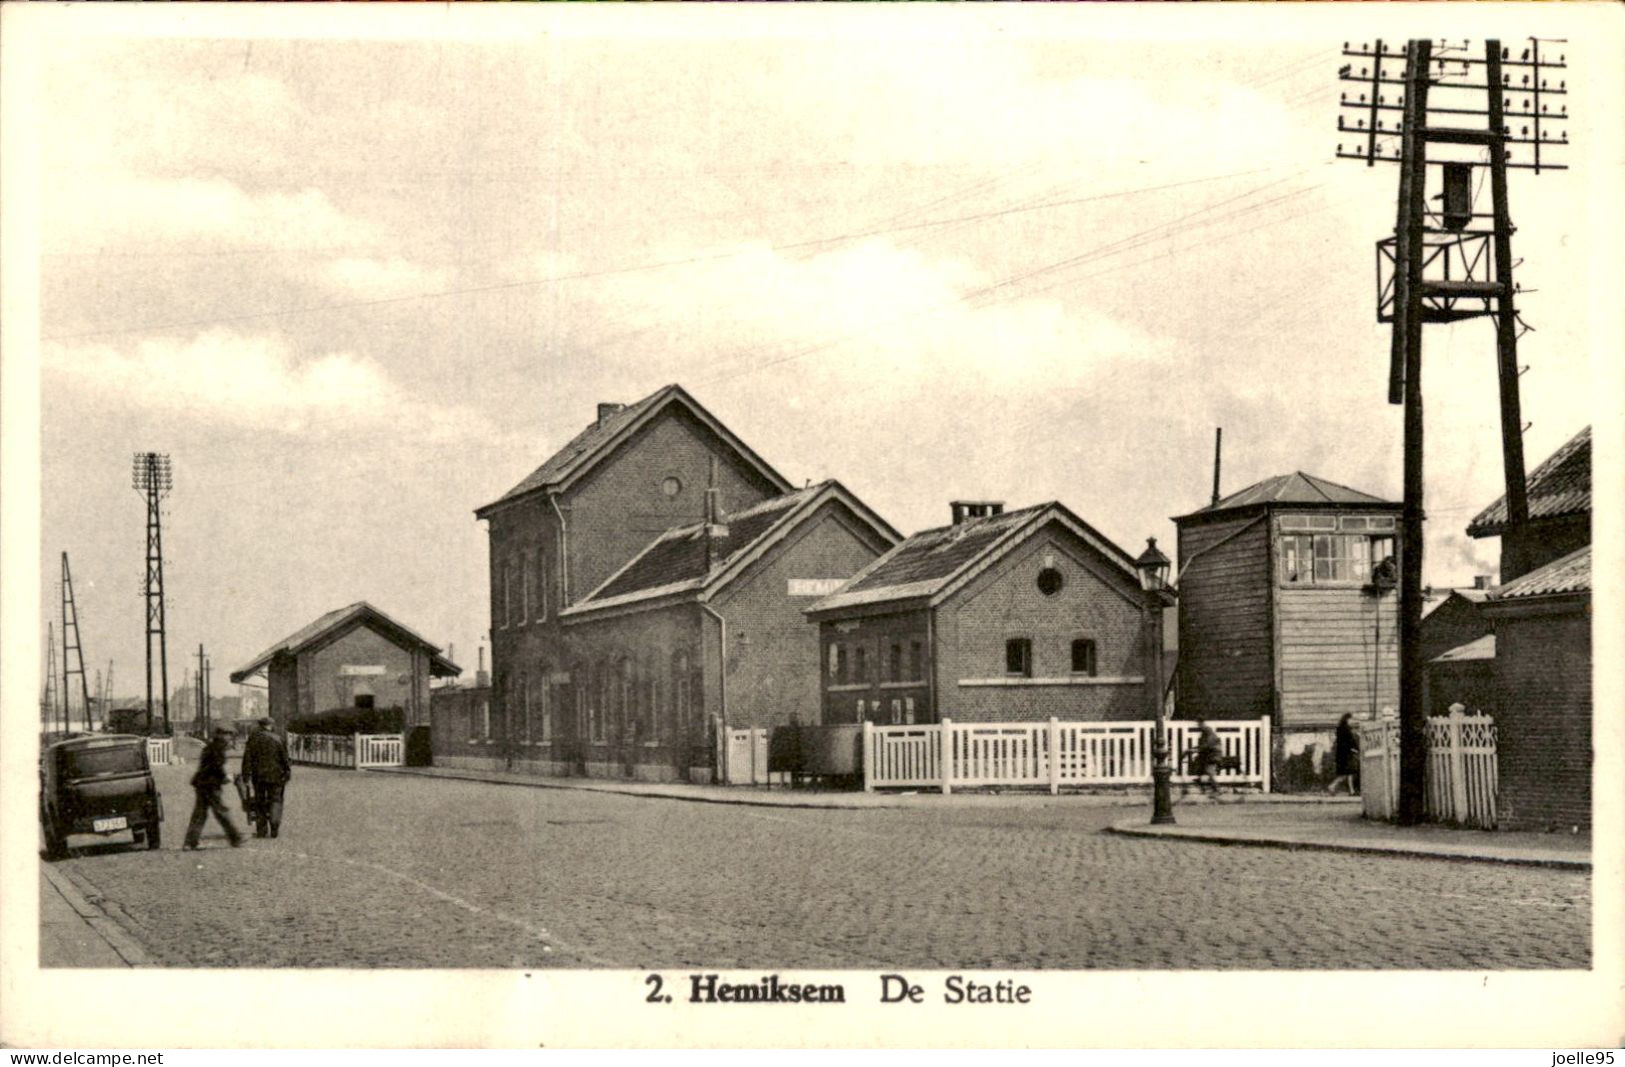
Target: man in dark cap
x=206 y=784
x=266 y=766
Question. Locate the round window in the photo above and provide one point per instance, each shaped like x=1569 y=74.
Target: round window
x=671 y=487
x=1050 y=581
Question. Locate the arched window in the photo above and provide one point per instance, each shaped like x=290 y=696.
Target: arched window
x=681 y=695
x=630 y=722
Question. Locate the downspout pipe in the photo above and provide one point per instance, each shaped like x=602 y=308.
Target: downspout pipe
x=722 y=682
x=564 y=553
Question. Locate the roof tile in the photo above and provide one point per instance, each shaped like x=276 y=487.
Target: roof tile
x=1570 y=574
x=1560 y=486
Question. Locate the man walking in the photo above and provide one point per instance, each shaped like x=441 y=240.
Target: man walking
x=266 y=766
x=206 y=785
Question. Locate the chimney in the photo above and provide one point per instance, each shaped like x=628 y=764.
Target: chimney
x=964 y=510
x=481 y=678
x=606 y=410
x=1481 y=581
x=714 y=529
x=1218 y=439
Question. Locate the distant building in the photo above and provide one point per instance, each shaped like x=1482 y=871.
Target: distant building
x=354 y=657
x=1559 y=494
x=1458 y=650
x=1282 y=613
x=1541 y=619
x=621 y=567
x=998 y=617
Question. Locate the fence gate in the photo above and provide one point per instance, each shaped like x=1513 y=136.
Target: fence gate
x=1461 y=780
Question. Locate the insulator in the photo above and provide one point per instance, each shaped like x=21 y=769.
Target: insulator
x=1342 y=98
x=1526 y=53
x=1565 y=136
x=1563 y=85
x=1362 y=98
x=1504 y=53
x=1524 y=132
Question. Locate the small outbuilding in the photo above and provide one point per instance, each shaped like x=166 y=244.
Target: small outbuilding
x=354 y=657
x=1288 y=608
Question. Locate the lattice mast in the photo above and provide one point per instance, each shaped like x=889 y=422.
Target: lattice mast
x=73 y=655
x=48 y=701
x=1444 y=265
x=152 y=476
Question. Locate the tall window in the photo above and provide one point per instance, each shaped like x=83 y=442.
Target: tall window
x=894 y=662
x=541 y=584
x=916 y=664
x=482 y=723
x=1083 y=656
x=524 y=589
x=1018 y=657
x=860 y=664
x=682 y=695
x=631 y=715
x=522 y=707
x=507 y=592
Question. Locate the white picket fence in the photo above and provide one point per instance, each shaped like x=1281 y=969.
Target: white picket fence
x=356 y=753
x=1460 y=783
x=160 y=750
x=1049 y=754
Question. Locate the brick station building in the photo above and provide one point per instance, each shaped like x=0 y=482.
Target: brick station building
x=999 y=617
x=641 y=582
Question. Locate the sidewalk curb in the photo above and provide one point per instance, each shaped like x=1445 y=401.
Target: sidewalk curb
x=131 y=950
x=554 y=783
x=1217 y=837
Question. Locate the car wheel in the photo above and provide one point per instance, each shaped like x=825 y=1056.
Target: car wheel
x=56 y=846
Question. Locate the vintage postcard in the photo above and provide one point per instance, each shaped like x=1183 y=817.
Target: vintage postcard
x=848 y=526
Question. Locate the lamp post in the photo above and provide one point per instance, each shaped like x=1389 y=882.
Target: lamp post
x=1153 y=570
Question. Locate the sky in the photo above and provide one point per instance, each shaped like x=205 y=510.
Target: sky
x=357 y=287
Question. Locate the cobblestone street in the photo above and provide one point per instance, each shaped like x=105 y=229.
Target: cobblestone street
x=395 y=871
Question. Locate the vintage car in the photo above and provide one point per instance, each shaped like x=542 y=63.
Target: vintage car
x=98 y=784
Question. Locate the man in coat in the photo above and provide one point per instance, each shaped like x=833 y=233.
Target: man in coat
x=266 y=766
x=206 y=785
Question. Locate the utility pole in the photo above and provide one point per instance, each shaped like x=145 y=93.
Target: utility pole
x=48 y=701
x=73 y=654
x=152 y=476
x=202 y=715
x=1441 y=268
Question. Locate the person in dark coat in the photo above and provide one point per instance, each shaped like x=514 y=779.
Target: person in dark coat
x=1204 y=758
x=1345 y=756
x=206 y=785
x=265 y=765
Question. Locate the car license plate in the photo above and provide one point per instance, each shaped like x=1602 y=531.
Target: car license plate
x=107 y=826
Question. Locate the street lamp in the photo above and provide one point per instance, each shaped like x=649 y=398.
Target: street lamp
x=1152 y=567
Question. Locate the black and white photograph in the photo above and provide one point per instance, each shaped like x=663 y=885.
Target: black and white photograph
x=702 y=525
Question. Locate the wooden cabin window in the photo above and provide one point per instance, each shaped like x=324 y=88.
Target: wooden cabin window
x=1083 y=656
x=1329 y=559
x=1018 y=657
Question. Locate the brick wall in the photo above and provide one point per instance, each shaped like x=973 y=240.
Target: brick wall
x=1543 y=717
x=331 y=687
x=773 y=678
x=456 y=728
x=1094 y=602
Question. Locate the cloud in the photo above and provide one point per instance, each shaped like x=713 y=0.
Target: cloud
x=193 y=215
x=256 y=382
x=368 y=278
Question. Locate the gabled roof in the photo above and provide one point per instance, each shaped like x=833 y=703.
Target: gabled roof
x=341 y=619
x=675 y=562
x=600 y=438
x=1558 y=487
x=1570 y=574
x=1479 y=648
x=1441 y=597
x=1296 y=489
x=934 y=563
